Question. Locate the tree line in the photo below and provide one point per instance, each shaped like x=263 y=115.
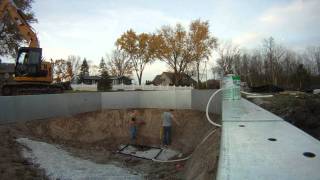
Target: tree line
x=271 y=64
x=183 y=50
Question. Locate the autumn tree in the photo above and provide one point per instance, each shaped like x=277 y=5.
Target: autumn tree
x=171 y=44
x=180 y=49
x=119 y=63
x=200 y=44
x=137 y=47
x=84 y=70
x=10 y=37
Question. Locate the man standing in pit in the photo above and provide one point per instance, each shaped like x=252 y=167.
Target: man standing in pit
x=167 y=119
x=133 y=126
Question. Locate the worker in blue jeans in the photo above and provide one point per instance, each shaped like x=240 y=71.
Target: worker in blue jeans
x=133 y=125
x=167 y=119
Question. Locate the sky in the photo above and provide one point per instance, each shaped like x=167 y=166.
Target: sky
x=89 y=28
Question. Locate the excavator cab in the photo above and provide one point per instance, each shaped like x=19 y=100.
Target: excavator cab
x=28 y=63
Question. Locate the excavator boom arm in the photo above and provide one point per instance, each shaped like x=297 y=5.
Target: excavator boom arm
x=7 y=6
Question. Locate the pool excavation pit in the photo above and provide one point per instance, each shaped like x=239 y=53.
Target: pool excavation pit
x=97 y=145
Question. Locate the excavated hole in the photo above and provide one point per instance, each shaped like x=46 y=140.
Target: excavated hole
x=97 y=136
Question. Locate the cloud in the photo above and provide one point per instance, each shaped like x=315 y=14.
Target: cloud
x=92 y=36
x=299 y=16
x=51 y=52
x=152 y=70
x=295 y=24
x=247 y=39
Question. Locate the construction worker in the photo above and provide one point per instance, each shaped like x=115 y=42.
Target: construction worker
x=133 y=125
x=167 y=118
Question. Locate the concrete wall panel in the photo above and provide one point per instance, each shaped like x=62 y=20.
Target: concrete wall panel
x=23 y=108
x=30 y=107
x=183 y=99
x=199 y=100
x=120 y=100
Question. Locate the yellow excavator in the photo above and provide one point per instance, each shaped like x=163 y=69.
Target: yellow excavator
x=31 y=75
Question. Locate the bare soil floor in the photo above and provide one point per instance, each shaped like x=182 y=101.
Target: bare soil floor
x=96 y=136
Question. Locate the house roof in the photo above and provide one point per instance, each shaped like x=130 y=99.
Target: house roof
x=184 y=76
x=186 y=79
x=157 y=79
x=170 y=75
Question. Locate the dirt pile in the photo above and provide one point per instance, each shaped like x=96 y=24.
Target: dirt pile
x=204 y=160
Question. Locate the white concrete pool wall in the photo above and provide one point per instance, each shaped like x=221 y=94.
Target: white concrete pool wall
x=245 y=152
x=31 y=107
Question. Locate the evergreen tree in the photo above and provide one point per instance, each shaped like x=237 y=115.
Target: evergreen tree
x=84 y=70
x=102 y=66
x=105 y=83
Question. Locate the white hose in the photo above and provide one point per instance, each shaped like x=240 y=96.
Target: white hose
x=260 y=96
x=186 y=158
x=207 y=109
x=246 y=93
x=203 y=140
x=252 y=95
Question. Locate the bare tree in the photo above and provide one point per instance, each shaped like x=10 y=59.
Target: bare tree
x=313 y=56
x=75 y=62
x=273 y=54
x=228 y=57
x=119 y=63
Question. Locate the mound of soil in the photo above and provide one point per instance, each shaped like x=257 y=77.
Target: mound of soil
x=97 y=135
x=204 y=160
